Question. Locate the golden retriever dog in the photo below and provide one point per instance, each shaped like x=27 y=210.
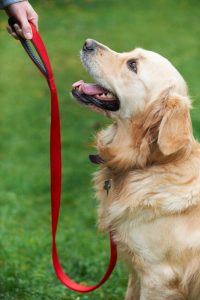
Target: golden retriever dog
x=148 y=182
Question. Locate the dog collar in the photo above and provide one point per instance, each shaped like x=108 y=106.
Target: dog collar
x=96 y=159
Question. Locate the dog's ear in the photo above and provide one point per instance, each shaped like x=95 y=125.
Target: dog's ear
x=175 y=130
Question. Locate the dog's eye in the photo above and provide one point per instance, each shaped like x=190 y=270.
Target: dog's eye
x=132 y=65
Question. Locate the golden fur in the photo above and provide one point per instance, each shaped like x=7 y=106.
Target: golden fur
x=153 y=162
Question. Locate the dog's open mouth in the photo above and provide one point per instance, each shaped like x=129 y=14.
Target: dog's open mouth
x=94 y=94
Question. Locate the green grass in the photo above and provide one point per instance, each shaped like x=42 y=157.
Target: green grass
x=166 y=26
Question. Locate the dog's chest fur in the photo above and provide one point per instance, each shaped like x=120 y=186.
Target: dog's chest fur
x=155 y=221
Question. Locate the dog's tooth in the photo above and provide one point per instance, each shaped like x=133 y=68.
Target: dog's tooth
x=110 y=95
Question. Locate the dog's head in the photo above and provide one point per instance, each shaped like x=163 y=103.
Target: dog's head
x=146 y=96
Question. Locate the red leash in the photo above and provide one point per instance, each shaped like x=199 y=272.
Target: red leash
x=44 y=66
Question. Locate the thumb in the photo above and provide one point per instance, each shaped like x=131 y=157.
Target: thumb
x=26 y=28
x=34 y=21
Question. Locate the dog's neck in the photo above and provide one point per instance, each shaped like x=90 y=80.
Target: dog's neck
x=133 y=144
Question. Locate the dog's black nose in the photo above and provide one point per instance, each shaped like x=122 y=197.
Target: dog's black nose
x=89 y=45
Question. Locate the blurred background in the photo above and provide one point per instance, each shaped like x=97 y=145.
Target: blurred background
x=166 y=26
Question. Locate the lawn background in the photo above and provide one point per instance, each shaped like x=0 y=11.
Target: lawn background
x=166 y=26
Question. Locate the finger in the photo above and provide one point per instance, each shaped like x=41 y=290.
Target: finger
x=11 y=32
x=15 y=36
x=34 y=21
x=9 y=29
x=32 y=16
x=18 y=30
x=26 y=28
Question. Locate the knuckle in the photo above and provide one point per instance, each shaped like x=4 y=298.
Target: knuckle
x=26 y=28
x=35 y=16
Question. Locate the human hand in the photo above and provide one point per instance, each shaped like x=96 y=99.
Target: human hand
x=24 y=13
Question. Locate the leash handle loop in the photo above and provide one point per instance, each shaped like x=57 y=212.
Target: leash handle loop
x=26 y=45
x=55 y=162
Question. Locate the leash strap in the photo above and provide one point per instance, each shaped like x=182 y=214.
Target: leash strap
x=43 y=64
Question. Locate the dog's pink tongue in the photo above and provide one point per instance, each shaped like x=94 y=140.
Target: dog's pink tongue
x=88 y=89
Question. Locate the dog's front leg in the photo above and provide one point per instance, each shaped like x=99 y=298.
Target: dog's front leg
x=133 y=290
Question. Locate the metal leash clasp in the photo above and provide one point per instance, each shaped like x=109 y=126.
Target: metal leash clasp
x=107 y=185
